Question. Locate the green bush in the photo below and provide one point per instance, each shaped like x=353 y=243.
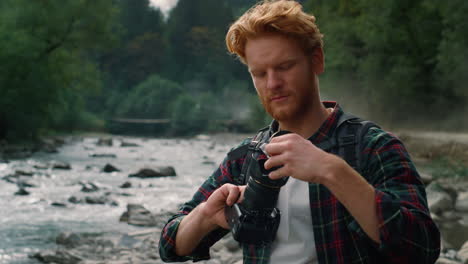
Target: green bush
x=150 y=99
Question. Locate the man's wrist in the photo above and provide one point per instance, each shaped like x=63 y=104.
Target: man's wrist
x=335 y=166
x=206 y=219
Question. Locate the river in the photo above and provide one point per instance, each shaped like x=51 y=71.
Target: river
x=31 y=223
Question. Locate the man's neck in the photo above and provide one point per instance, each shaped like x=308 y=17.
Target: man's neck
x=309 y=123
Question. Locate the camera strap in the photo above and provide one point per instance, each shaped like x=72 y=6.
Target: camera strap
x=261 y=137
x=346 y=142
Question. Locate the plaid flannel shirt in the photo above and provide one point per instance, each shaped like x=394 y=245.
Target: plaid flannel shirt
x=407 y=232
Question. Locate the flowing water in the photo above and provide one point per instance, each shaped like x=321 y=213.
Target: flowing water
x=30 y=223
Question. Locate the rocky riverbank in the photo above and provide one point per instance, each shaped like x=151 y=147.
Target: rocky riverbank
x=127 y=187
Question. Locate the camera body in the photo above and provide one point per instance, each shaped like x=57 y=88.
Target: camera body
x=256 y=219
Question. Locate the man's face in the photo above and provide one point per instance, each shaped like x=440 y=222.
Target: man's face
x=283 y=76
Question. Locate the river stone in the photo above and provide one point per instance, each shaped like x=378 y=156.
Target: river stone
x=24 y=173
x=463 y=253
x=128 y=144
x=437 y=199
x=104 y=141
x=109 y=168
x=462 y=202
x=60 y=165
x=100 y=200
x=88 y=187
x=41 y=166
x=126 y=184
x=154 y=172
x=60 y=256
x=454 y=233
x=74 y=200
x=69 y=240
x=426 y=178
x=138 y=215
x=48 y=145
x=103 y=155
x=22 y=192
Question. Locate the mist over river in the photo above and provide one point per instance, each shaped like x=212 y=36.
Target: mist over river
x=30 y=223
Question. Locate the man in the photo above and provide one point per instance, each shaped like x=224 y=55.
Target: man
x=331 y=212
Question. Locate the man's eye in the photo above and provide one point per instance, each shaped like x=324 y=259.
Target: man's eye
x=258 y=74
x=286 y=66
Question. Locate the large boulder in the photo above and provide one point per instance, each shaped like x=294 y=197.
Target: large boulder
x=154 y=172
x=138 y=215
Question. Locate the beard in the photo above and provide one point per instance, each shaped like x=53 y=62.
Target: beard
x=296 y=107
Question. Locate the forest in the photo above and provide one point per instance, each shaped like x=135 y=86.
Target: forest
x=75 y=65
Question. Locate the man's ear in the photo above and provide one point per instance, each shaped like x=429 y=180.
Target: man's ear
x=318 y=63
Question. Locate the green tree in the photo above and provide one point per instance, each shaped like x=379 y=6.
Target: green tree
x=45 y=53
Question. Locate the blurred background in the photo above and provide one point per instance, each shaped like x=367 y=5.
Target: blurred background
x=160 y=67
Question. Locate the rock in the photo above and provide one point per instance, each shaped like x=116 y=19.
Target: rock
x=24 y=173
x=463 y=253
x=109 y=168
x=21 y=181
x=461 y=203
x=74 y=200
x=58 y=256
x=454 y=233
x=138 y=215
x=70 y=240
x=128 y=144
x=60 y=165
x=103 y=141
x=437 y=199
x=22 y=192
x=89 y=187
x=100 y=200
x=41 y=166
x=154 y=172
x=126 y=185
x=103 y=155
x=48 y=145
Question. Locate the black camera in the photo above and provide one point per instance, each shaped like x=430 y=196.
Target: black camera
x=256 y=219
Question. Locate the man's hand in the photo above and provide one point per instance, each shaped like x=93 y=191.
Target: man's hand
x=226 y=195
x=206 y=217
x=299 y=159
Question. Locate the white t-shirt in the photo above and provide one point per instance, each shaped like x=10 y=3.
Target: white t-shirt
x=294 y=241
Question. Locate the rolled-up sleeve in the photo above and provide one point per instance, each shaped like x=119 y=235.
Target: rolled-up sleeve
x=167 y=240
x=407 y=232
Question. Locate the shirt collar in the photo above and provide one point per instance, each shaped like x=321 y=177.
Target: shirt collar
x=326 y=129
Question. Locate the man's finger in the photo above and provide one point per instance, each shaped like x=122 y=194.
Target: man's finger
x=279 y=173
x=233 y=195
x=275 y=148
x=274 y=161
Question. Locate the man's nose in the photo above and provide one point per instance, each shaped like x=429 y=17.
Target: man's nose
x=274 y=80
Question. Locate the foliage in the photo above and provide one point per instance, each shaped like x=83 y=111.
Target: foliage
x=150 y=99
x=71 y=64
x=396 y=55
x=44 y=51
